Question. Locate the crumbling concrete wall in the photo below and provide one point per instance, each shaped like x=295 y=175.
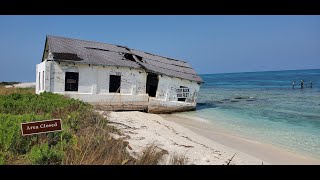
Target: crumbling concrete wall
x=167 y=88
x=160 y=106
x=166 y=99
x=94 y=87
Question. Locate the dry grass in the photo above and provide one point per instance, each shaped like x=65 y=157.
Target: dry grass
x=177 y=159
x=97 y=147
x=5 y=91
x=151 y=155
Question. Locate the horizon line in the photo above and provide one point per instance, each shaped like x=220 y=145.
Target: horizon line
x=259 y=71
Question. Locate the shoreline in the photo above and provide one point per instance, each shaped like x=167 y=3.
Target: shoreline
x=265 y=151
x=197 y=139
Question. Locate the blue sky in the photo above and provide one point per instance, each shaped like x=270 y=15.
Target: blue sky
x=211 y=44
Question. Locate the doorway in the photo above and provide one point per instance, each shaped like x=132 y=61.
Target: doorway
x=152 y=84
x=71 y=81
x=114 y=84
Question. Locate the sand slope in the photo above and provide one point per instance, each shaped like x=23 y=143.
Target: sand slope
x=143 y=129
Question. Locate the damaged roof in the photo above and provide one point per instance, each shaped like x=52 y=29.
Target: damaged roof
x=89 y=52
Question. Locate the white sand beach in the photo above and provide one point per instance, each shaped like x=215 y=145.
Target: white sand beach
x=268 y=153
x=144 y=129
x=197 y=139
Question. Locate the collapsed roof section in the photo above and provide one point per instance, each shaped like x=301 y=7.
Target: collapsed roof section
x=88 y=52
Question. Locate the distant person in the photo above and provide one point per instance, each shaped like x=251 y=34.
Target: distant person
x=301 y=84
x=293 y=84
x=310 y=84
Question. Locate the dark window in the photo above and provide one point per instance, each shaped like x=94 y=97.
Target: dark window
x=114 y=85
x=71 y=81
x=182 y=99
x=152 y=84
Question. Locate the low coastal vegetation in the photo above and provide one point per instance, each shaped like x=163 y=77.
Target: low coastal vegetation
x=85 y=138
x=8 y=83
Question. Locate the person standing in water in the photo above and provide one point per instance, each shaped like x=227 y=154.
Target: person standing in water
x=310 y=84
x=293 y=82
x=301 y=84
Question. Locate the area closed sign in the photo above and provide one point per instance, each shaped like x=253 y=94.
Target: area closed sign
x=41 y=127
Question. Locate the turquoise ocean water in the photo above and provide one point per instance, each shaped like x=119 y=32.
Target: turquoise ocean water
x=265 y=107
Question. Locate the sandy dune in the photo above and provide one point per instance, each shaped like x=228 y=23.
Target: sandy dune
x=143 y=129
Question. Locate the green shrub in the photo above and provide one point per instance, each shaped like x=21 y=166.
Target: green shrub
x=17 y=108
x=40 y=104
x=11 y=138
x=45 y=155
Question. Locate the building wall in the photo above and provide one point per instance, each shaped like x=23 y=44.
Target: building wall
x=166 y=99
x=42 y=77
x=94 y=86
x=167 y=88
x=94 y=83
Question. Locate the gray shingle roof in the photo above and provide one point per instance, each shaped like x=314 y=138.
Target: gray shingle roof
x=88 y=52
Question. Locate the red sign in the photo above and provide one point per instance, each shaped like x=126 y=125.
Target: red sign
x=39 y=127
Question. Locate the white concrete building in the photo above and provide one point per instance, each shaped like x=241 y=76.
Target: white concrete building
x=116 y=77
